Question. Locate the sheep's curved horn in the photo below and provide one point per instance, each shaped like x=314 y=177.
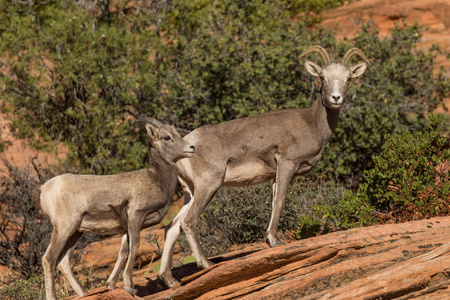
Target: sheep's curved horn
x=151 y=121
x=320 y=50
x=351 y=52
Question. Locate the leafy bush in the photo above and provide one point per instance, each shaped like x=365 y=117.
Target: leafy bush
x=410 y=181
x=71 y=78
x=312 y=8
x=30 y=289
x=411 y=177
x=194 y=63
x=345 y=213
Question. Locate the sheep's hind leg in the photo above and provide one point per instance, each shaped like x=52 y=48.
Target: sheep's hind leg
x=65 y=268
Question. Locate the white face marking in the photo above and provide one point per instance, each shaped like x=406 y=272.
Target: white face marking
x=336 y=97
x=335 y=86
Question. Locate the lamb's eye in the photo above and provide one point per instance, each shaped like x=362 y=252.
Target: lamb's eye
x=167 y=138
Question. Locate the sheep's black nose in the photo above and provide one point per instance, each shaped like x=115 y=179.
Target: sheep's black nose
x=337 y=97
x=192 y=147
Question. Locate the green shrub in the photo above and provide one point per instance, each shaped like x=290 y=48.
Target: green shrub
x=312 y=8
x=410 y=179
x=71 y=78
x=345 y=213
x=30 y=289
x=193 y=63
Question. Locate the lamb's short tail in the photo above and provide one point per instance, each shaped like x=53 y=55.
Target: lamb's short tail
x=36 y=196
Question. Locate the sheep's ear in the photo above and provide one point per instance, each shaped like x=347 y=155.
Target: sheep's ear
x=313 y=68
x=358 y=70
x=152 y=131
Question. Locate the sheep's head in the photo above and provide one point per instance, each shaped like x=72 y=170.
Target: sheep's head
x=166 y=140
x=334 y=77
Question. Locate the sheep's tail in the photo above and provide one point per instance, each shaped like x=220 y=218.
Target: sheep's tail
x=36 y=196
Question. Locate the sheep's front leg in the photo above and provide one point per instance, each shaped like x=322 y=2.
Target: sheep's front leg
x=285 y=171
x=134 y=227
x=172 y=232
x=123 y=255
x=202 y=196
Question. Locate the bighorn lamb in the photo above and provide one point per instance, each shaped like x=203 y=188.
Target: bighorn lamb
x=105 y=204
x=244 y=152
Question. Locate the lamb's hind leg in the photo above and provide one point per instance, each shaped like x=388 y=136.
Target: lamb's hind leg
x=55 y=252
x=123 y=254
x=65 y=268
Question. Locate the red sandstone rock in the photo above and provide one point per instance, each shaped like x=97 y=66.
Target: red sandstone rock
x=385 y=13
x=387 y=261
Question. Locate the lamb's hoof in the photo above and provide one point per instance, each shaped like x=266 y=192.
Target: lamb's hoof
x=129 y=290
x=111 y=286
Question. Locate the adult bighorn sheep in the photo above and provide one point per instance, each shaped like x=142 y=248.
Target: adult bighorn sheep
x=244 y=152
x=105 y=204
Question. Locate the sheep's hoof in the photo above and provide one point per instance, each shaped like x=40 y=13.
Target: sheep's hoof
x=277 y=243
x=168 y=280
x=130 y=290
x=205 y=264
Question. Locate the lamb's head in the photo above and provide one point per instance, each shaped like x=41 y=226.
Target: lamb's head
x=166 y=140
x=334 y=76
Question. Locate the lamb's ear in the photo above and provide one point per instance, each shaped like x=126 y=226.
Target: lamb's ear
x=152 y=131
x=358 y=70
x=313 y=68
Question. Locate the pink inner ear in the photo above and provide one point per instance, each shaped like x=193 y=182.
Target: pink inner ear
x=358 y=70
x=151 y=131
x=313 y=68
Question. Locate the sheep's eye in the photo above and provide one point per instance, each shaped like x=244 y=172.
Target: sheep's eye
x=321 y=78
x=167 y=138
x=349 y=79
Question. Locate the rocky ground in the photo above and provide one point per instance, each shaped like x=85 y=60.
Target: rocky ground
x=394 y=261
